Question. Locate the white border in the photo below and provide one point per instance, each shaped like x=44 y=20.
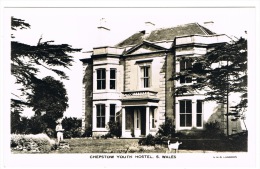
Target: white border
x=83 y=160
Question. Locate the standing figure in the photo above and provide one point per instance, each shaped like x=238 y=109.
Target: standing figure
x=59 y=131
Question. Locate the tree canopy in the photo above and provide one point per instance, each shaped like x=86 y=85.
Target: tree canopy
x=218 y=73
x=27 y=60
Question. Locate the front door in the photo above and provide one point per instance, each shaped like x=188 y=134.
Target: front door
x=143 y=121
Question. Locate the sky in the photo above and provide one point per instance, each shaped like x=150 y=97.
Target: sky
x=78 y=27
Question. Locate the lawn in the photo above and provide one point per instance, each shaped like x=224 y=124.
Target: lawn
x=85 y=145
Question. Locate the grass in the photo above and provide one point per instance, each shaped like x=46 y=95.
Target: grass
x=85 y=145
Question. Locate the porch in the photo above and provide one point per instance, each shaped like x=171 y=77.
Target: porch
x=139 y=113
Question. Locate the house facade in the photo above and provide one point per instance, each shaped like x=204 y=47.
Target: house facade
x=131 y=82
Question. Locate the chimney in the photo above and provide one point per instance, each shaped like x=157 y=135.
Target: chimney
x=103 y=33
x=209 y=25
x=149 y=26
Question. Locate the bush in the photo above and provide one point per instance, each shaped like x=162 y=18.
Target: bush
x=35 y=143
x=114 y=129
x=213 y=130
x=88 y=132
x=149 y=140
x=166 y=129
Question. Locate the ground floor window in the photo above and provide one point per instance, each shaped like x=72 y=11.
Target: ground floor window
x=101 y=115
x=185 y=113
x=112 y=112
x=191 y=113
x=199 y=113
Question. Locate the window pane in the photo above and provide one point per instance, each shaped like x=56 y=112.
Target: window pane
x=112 y=73
x=103 y=73
x=112 y=112
x=199 y=120
x=103 y=122
x=146 y=82
x=98 y=110
x=182 y=120
x=199 y=106
x=98 y=122
x=182 y=65
x=103 y=84
x=98 y=84
x=112 y=84
x=188 y=120
x=98 y=74
x=147 y=71
x=182 y=106
x=182 y=79
x=103 y=110
x=188 y=106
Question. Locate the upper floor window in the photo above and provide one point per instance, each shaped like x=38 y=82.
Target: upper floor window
x=145 y=78
x=112 y=78
x=184 y=65
x=101 y=79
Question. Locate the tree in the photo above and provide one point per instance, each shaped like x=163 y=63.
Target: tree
x=218 y=73
x=221 y=71
x=27 y=60
x=49 y=96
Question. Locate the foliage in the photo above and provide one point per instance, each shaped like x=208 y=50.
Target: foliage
x=114 y=129
x=166 y=129
x=50 y=96
x=28 y=60
x=88 y=132
x=149 y=140
x=39 y=143
x=219 y=72
x=72 y=127
x=213 y=130
x=69 y=123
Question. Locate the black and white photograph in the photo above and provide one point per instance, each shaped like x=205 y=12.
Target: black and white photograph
x=129 y=86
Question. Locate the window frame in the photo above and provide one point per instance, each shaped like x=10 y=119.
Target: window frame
x=114 y=111
x=101 y=80
x=112 y=79
x=185 y=114
x=100 y=116
x=184 y=65
x=145 y=78
x=199 y=112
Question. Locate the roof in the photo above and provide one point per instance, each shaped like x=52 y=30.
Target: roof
x=164 y=34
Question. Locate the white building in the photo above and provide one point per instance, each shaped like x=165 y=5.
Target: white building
x=130 y=82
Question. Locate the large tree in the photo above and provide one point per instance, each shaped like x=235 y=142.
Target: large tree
x=49 y=97
x=218 y=73
x=28 y=60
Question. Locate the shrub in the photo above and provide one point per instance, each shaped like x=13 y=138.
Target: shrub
x=213 y=130
x=38 y=143
x=149 y=140
x=67 y=134
x=114 y=129
x=88 y=132
x=166 y=129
